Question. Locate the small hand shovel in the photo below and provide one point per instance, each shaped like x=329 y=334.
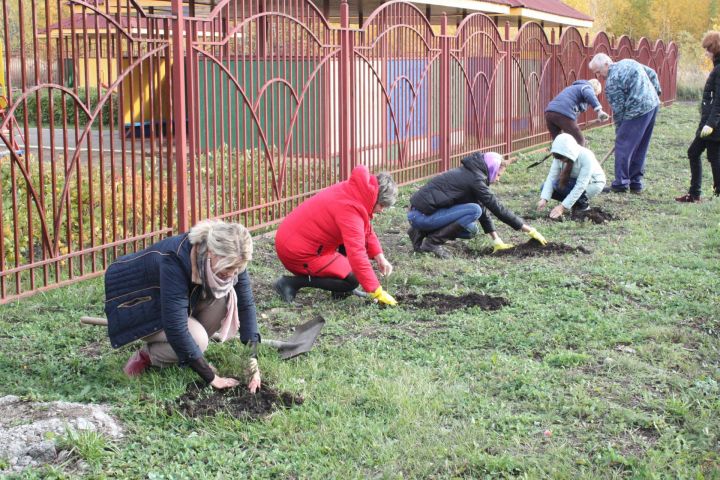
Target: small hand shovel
x=301 y=341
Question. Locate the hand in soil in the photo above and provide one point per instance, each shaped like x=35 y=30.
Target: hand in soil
x=221 y=383
x=557 y=211
x=255 y=383
x=541 y=205
x=499 y=245
x=537 y=236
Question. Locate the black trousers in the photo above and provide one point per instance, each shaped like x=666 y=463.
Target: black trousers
x=697 y=147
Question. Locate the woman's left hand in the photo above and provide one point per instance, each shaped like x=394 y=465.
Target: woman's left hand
x=557 y=211
x=254 y=371
x=255 y=382
x=384 y=266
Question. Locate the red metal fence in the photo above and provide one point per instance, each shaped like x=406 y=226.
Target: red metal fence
x=122 y=126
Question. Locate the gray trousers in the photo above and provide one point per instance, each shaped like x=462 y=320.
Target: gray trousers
x=203 y=322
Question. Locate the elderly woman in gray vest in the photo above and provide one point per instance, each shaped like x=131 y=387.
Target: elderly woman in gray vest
x=179 y=293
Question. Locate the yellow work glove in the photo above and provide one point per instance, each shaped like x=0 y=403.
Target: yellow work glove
x=498 y=245
x=383 y=297
x=535 y=235
x=706 y=131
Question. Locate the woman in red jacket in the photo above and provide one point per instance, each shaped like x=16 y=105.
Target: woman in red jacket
x=337 y=218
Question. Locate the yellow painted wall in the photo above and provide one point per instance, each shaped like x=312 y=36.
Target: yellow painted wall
x=92 y=65
x=135 y=88
x=137 y=106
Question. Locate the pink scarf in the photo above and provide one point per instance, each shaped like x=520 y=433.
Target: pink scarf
x=221 y=288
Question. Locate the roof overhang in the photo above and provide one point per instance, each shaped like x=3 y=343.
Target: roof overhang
x=549 y=17
x=469 y=5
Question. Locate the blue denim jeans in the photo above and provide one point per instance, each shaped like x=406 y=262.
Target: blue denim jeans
x=466 y=214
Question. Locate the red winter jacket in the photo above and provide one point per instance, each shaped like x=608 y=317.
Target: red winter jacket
x=337 y=215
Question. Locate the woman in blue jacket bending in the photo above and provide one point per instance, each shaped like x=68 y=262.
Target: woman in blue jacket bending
x=180 y=292
x=562 y=111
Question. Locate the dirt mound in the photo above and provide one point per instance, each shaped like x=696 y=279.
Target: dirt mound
x=532 y=248
x=443 y=303
x=202 y=400
x=595 y=215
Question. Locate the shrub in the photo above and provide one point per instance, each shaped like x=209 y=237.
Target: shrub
x=70 y=104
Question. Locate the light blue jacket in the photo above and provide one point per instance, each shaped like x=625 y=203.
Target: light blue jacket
x=632 y=89
x=586 y=170
x=574 y=100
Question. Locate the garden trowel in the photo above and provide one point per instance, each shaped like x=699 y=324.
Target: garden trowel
x=301 y=340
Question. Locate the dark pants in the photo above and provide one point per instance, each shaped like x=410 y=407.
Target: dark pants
x=697 y=147
x=558 y=123
x=632 y=139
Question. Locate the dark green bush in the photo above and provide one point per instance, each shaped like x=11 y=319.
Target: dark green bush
x=70 y=105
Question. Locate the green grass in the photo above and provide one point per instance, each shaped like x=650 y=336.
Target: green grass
x=617 y=353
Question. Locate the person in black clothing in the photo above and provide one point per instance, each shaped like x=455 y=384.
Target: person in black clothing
x=450 y=205
x=707 y=136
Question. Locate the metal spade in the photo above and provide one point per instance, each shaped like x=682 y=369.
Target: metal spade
x=301 y=340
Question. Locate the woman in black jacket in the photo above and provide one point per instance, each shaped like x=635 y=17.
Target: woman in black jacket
x=707 y=136
x=450 y=205
x=178 y=293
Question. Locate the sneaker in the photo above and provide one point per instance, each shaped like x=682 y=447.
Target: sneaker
x=137 y=363
x=614 y=190
x=286 y=292
x=687 y=198
x=636 y=191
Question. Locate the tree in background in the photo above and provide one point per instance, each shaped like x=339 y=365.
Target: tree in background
x=681 y=21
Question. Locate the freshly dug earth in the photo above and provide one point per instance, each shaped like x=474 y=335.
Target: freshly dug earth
x=443 y=303
x=595 y=215
x=201 y=400
x=532 y=248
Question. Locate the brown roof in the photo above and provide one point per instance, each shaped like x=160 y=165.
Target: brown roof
x=554 y=7
x=90 y=18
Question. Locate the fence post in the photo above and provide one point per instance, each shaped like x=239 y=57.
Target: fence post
x=179 y=115
x=347 y=97
x=509 y=92
x=444 y=94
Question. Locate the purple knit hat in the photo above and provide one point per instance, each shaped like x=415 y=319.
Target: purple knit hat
x=493 y=161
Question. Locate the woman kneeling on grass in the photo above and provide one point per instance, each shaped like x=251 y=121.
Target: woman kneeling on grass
x=327 y=242
x=449 y=206
x=180 y=292
x=575 y=177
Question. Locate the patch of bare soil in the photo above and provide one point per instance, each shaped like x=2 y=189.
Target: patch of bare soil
x=533 y=248
x=202 y=400
x=92 y=350
x=443 y=303
x=595 y=215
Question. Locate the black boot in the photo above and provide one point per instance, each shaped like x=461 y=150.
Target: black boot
x=582 y=204
x=285 y=287
x=434 y=240
x=416 y=237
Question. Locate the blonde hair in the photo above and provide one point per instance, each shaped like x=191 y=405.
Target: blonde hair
x=229 y=241
x=595 y=84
